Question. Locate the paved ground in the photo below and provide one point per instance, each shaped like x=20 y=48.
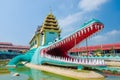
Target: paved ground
x=112 y=63
x=67 y=72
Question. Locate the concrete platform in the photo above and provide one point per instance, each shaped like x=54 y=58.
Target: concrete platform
x=73 y=73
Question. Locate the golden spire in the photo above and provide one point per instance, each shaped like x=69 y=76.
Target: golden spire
x=50 y=22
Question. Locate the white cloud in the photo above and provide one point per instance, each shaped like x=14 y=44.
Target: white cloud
x=70 y=19
x=72 y=22
x=87 y=8
x=113 y=32
x=79 y=17
x=99 y=38
x=109 y=37
x=90 y=5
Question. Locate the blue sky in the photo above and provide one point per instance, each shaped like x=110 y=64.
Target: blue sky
x=20 y=18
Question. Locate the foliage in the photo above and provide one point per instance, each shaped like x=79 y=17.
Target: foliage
x=114 y=72
x=98 y=52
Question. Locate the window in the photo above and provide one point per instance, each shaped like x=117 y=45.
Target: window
x=51 y=32
x=35 y=41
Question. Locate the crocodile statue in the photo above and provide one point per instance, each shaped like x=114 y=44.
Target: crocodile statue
x=56 y=53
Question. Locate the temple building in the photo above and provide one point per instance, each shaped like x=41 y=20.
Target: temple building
x=9 y=47
x=48 y=32
x=103 y=49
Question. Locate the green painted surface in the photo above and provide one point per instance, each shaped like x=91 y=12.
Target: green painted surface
x=80 y=67
x=25 y=57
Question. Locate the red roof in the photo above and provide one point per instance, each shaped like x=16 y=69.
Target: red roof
x=7 y=45
x=92 y=48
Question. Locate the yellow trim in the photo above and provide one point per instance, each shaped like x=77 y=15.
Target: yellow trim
x=32 y=38
x=54 y=27
x=44 y=37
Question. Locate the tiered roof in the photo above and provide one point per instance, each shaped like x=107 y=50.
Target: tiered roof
x=50 y=22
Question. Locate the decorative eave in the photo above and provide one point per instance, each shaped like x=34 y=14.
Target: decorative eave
x=33 y=37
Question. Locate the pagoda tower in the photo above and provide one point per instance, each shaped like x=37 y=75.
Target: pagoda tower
x=47 y=33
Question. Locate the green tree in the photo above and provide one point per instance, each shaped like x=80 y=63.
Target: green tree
x=98 y=52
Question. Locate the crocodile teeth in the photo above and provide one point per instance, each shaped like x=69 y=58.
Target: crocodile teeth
x=78 y=33
x=91 y=27
x=81 y=31
x=96 y=26
x=88 y=29
x=84 y=30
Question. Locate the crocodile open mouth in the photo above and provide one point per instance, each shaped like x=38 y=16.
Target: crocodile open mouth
x=57 y=53
x=61 y=47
